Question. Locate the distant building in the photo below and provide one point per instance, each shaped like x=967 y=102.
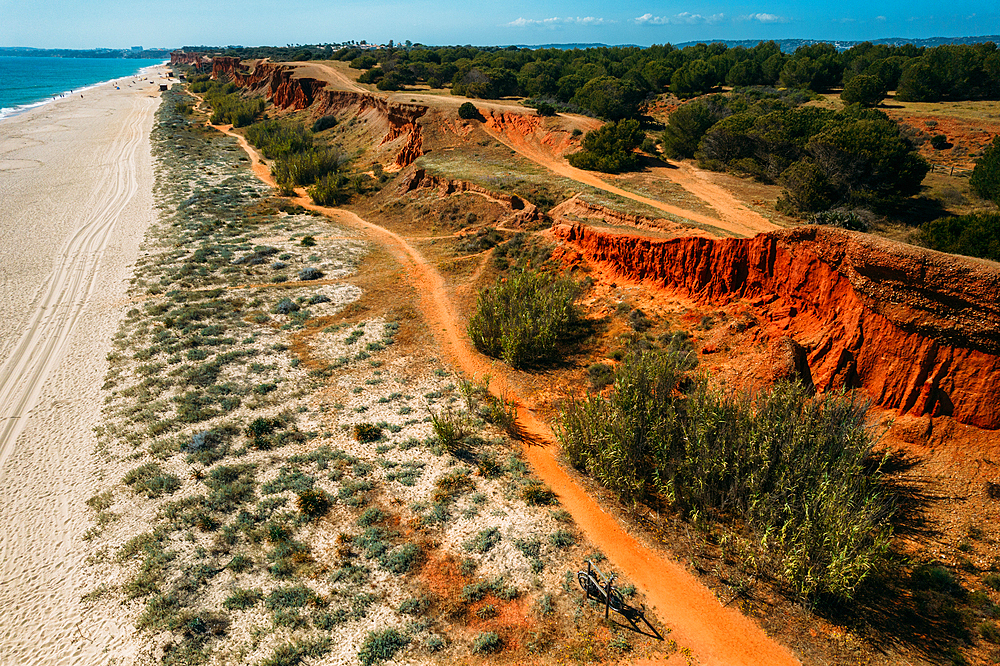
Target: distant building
x=136 y=49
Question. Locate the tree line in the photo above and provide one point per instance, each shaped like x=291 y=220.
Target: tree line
x=612 y=82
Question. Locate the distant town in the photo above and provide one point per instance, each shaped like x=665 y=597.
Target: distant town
x=136 y=52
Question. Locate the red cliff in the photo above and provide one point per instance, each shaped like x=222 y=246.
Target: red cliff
x=917 y=331
x=286 y=90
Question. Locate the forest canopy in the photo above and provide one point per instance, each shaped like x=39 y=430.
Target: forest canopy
x=611 y=82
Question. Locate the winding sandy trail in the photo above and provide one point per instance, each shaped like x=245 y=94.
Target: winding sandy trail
x=734 y=217
x=77 y=191
x=716 y=634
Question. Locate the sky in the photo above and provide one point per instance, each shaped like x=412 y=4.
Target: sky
x=84 y=24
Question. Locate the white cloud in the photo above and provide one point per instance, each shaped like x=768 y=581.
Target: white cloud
x=879 y=18
x=766 y=18
x=557 y=21
x=684 y=18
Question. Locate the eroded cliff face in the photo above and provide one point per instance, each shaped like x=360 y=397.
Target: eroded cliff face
x=916 y=331
x=185 y=58
x=279 y=84
x=522 y=212
x=576 y=209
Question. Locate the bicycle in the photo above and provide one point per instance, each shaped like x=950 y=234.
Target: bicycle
x=600 y=586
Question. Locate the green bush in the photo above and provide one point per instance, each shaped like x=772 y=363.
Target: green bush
x=324 y=123
x=985 y=179
x=151 y=481
x=522 y=319
x=333 y=189
x=799 y=472
x=468 y=111
x=536 y=494
x=307 y=167
x=381 y=645
x=545 y=109
x=241 y=599
x=611 y=148
x=863 y=89
x=450 y=428
x=687 y=125
x=939 y=142
x=487 y=642
x=562 y=539
x=610 y=97
x=297 y=596
x=313 y=503
x=484 y=540
x=974 y=235
x=277 y=138
x=294 y=654
x=402 y=559
x=367 y=432
x=228 y=105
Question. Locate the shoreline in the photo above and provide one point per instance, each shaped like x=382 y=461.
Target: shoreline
x=77 y=187
x=8 y=112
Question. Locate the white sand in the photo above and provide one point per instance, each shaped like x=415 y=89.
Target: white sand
x=76 y=198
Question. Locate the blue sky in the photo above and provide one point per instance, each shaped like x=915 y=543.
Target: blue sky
x=123 y=23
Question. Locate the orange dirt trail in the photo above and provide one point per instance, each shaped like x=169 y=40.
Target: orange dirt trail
x=734 y=217
x=715 y=634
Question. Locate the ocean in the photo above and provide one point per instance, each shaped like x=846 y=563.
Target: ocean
x=27 y=82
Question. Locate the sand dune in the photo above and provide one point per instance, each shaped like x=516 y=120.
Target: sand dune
x=76 y=185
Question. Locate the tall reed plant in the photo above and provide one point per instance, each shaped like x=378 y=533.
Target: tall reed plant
x=307 y=167
x=521 y=318
x=799 y=472
x=275 y=138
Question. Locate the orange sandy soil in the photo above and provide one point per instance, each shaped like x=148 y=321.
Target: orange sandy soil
x=945 y=467
x=714 y=633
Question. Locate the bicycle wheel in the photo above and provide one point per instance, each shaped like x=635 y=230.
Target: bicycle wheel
x=616 y=602
x=586 y=583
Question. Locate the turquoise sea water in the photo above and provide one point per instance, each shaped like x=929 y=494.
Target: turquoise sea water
x=27 y=82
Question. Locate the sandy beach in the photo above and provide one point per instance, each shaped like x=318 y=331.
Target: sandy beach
x=76 y=183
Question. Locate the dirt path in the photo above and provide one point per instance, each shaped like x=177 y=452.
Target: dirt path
x=734 y=217
x=716 y=634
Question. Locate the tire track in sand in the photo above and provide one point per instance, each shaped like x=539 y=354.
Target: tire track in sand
x=717 y=635
x=42 y=469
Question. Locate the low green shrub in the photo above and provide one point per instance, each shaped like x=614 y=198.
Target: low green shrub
x=313 y=503
x=536 y=494
x=974 y=235
x=276 y=138
x=332 y=189
x=380 y=645
x=450 y=485
x=367 y=432
x=324 y=123
x=402 y=559
x=487 y=642
x=294 y=654
x=611 y=148
x=242 y=599
x=522 y=319
x=296 y=596
x=484 y=540
x=562 y=539
x=307 y=167
x=451 y=428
